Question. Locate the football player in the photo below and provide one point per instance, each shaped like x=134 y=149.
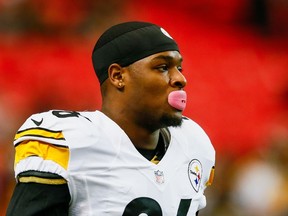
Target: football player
x=138 y=155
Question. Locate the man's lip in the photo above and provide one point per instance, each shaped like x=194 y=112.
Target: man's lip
x=177 y=99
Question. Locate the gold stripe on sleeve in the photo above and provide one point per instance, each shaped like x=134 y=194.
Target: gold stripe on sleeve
x=40 y=132
x=58 y=154
x=34 y=179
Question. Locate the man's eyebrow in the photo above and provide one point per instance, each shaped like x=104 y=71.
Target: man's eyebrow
x=167 y=58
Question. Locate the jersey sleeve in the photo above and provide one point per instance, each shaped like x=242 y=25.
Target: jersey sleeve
x=40 y=146
x=41 y=163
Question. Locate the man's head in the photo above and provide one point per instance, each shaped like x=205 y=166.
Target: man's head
x=128 y=42
x=139 y=68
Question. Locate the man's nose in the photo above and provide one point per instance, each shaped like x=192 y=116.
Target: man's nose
x=177 y=79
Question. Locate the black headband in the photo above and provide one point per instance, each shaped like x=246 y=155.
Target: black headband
x=128 y=42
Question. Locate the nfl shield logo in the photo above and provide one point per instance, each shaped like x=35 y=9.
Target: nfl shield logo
x=195 y=174
x=159 y=176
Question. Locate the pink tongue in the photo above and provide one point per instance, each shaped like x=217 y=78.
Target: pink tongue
x=177 y=99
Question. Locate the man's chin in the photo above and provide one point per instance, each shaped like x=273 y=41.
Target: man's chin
x=171 y=120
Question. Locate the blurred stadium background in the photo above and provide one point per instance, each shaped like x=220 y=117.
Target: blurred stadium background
x=235 y=60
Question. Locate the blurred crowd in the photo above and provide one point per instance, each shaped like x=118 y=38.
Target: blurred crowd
x=45 y=64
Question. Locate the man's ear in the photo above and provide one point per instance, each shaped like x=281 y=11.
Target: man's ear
x=116 y=76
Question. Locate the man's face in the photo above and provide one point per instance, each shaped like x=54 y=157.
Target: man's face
x=148 y=84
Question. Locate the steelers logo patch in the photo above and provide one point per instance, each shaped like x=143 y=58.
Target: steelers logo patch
x=195 y=174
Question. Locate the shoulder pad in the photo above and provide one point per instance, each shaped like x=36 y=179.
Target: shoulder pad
x=48 y=127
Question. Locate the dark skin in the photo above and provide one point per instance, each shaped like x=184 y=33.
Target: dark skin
x=136 y=96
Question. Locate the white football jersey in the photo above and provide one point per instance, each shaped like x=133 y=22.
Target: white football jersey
x=106 y=174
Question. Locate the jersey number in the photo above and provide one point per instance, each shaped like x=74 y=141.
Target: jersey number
x=151 y=207
x=67 y=114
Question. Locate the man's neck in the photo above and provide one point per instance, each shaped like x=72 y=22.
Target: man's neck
x=140 y=136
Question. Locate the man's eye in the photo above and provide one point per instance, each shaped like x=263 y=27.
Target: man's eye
x=163 y=68
x=180 y=69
